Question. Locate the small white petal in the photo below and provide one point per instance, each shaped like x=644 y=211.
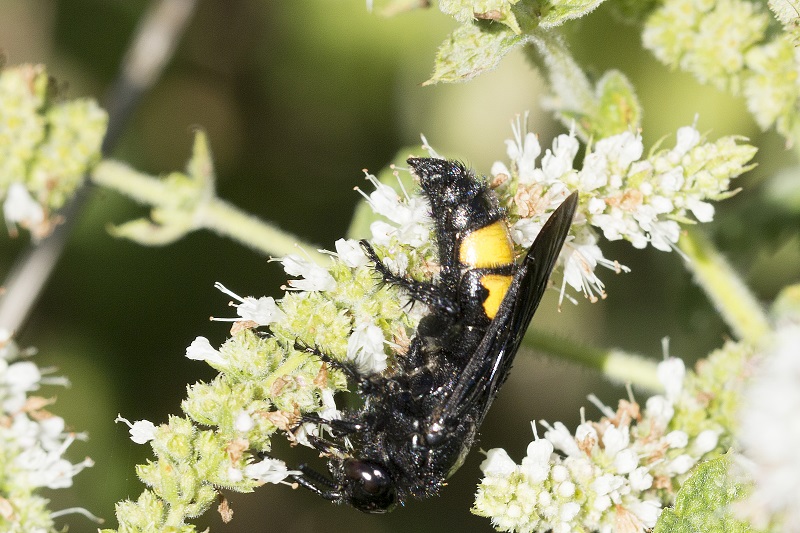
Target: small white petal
x=365 y=348
x=626 y=461
x=702 y=211
x=705 y=442
x=671 y=373
x=646 y=511
x=640 y=479
x=201 y=350
x=22 y=376
x=235 y=475
x=243 y=422
x=615 y=439
x=681 y=464
x=269 y=470
x=687 y=138
x=498 y=463
x=677 y=439
x=20 y=207
x=141 y=431
x=351 y=253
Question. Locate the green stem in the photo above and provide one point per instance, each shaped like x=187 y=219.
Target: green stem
x=726 y=290
x=615 y=364
x=226 y=219
x=213 y=214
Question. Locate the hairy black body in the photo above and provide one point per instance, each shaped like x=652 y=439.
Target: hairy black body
x=419 y=421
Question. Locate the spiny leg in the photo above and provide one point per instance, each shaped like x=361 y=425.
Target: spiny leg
x=348 y=368
x=312 y=480
x=419 y=291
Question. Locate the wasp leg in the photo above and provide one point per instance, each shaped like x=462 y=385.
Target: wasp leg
x=311 y=479
x=419 y=291
x=349 y=369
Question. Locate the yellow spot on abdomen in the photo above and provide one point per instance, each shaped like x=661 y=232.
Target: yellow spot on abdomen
x=497 y=285
x=487 y=247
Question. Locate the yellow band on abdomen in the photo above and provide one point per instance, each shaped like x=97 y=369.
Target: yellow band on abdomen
x=487 y=247
x=497 y=285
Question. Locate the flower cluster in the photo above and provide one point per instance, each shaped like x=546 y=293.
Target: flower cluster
x=33 y=442
x=724 y=43
x=623 y=195
x=610 y=475
x=46 y=147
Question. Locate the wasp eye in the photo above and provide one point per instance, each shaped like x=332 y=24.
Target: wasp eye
x=371 y=488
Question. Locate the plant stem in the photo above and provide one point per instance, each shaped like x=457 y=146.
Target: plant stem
x=212 y=214
x=617 y=365
x=733 y=300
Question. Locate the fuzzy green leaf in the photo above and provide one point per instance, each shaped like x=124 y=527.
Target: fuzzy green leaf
x=466 y=11
x=471 y=50
x=618 y=107
x=702 y=503
x=557 y=12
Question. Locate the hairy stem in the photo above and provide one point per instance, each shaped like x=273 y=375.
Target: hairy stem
x=733 y=300
x=617 y=365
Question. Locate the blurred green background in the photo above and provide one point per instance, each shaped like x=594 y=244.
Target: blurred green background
x=297 y=97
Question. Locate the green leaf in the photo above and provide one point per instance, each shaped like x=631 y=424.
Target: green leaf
x=471 y=50
x=703 y=502
x=618 y=108
x=608 y=108
x=557 y=12
x=466 y=11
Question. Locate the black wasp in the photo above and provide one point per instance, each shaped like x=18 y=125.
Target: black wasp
x=419 y=421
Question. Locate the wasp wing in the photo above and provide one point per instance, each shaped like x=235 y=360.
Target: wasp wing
x=488 y=367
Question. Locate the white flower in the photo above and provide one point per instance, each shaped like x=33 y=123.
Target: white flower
x=677 y=439
x=705 y=442
x=263 y=311
x=243 y=422
x=559 y=160
x=19 y=207
x=536 y=464
x=269 y=470
x=365 y=348
x=351 y=253
x=671 y=373
x=647 y=511
x=561 y=438
x=409 y=215
x=235 y=475
x=315 y=277
x=523 y=151
x=497 y=463
x=687 y=138
x=141 y=431
x=640 y=479
x=201 y=350
x=626 y=461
